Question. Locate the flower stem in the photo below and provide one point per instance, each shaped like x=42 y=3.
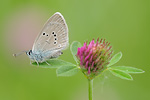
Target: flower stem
x=90 y=83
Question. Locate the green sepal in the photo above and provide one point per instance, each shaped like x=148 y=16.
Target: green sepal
x=127 y=69
x=121 y=74
x=67 y=70
x=53 y=63
x=74 y=48
x=115 y=59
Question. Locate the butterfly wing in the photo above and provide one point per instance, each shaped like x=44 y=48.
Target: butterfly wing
x=54 y=35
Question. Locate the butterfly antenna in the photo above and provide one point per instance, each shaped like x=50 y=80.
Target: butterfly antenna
x=18 y=54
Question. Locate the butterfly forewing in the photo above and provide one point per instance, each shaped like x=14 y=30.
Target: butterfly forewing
x=53 y=36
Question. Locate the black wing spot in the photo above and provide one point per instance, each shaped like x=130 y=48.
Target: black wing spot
x=52 y=32
x=54 y=42
x=55 y=38
x=47 y=35
x=43 y=33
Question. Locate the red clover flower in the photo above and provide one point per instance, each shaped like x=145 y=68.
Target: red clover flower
x=94 y=57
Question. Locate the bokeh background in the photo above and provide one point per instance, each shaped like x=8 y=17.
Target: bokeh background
x=124 y=23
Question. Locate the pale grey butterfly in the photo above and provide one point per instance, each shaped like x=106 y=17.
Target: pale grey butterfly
x=50 y=42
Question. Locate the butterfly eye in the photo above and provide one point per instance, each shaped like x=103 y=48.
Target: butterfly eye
x=30 y=52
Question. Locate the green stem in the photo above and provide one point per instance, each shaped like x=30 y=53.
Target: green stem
x=90 y=83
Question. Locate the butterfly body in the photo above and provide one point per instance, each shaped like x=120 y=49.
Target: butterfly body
x=52 y=39
x=42 y=57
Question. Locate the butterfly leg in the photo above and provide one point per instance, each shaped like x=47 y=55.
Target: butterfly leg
x=36 y=61
x=47 y=63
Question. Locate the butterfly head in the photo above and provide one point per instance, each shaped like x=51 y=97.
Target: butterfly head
x=29 y=53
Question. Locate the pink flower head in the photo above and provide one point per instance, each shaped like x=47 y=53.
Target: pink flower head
x=94 y=57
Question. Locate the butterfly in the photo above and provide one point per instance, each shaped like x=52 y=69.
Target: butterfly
x=50 y=42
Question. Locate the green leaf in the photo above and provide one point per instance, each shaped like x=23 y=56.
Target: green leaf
x=67 y=71
x=74 y=47
x=53 y=63
x=121 y=74
x=128 y=69
x=115 y=59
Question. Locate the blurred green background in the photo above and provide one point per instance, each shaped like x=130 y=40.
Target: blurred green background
x=124 y=23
